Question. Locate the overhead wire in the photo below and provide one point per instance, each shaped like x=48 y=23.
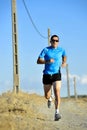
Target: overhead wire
x=27 y=10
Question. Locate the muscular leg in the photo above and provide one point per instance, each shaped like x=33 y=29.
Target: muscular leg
x=47 y=91
x=57 y=86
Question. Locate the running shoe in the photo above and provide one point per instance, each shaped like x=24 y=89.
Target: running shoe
x=57 y=117
x=49 y=104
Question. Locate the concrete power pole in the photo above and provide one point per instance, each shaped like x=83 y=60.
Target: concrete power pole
x=68 y=85
x=52 y=95
x=48 y=36
x=75 y=93
x=49 y=45
x=15 y=49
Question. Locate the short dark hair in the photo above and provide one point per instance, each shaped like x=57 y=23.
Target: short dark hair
x=53 y=37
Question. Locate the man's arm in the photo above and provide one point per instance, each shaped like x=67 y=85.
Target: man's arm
x=42 y=61
x=64 y=58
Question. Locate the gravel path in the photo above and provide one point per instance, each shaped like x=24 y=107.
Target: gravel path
x=30 y=112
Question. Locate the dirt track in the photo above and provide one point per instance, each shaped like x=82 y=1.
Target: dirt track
x=30 y=112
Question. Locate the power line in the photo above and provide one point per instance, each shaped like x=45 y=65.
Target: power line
x=32 y=20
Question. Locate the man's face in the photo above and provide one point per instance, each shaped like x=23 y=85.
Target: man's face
x=54 y=42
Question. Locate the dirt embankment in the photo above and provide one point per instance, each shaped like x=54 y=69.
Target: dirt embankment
x=29 y=112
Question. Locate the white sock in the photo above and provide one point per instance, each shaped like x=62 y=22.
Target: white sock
x=57 y=111
x=50 y=99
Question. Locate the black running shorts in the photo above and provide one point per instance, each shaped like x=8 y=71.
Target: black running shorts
x=49 y=79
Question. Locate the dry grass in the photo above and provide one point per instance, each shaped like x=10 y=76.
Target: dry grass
x=29 y=112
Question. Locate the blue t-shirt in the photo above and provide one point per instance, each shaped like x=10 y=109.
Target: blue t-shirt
x=54 y=53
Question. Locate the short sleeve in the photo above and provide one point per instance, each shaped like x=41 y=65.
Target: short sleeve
x=43 y=53
x=64 y=53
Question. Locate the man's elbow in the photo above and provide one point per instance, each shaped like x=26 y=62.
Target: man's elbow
x=38 y=61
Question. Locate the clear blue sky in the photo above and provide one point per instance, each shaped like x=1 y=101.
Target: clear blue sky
x=68 y=19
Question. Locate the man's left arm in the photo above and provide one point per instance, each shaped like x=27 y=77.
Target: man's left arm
x=64 y=59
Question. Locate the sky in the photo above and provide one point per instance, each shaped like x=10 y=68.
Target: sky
x=67 y=19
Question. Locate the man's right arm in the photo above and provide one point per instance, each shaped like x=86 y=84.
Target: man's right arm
x=42 y=61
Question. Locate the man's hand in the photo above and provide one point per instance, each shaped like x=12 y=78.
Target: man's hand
x=63 y=64
x=51 y=60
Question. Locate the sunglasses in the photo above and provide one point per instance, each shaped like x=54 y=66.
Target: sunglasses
x=55 y=40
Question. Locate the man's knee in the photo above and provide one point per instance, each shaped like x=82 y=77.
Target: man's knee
x=47 y=96
x=47 y=91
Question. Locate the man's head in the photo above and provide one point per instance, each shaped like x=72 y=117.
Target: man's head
x=54 y=41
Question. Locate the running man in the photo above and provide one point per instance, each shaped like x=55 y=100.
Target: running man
x=53 y=57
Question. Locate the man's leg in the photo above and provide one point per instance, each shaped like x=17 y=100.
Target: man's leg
x=57 y=86
x=47 y=92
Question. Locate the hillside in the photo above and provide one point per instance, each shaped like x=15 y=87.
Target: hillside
x=29 y=112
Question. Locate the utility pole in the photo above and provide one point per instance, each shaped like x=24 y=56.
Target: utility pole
x=68 y=85
x=15 y=49
x=48 y=36
x=75 y=93
x=49 y=45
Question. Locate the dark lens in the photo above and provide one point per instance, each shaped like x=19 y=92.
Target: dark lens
x=55 y=41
